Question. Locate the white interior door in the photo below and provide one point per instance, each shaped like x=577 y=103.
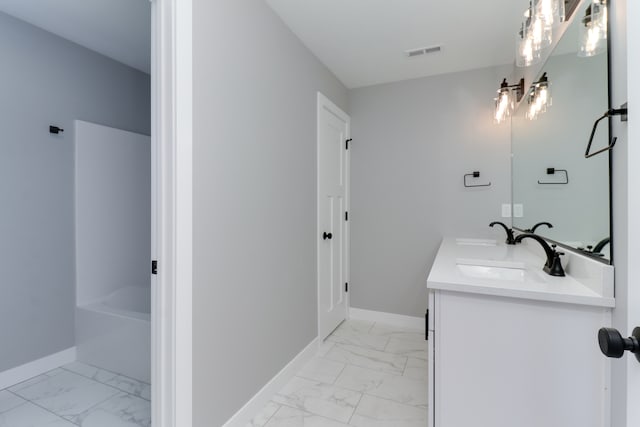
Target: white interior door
x=333 y=132
x=626 y=379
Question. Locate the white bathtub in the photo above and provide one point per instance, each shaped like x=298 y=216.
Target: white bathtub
x=115 y=333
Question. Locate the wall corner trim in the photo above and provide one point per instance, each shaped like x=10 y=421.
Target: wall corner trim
x=257 y=402
x=392 y=319
x=37 y=367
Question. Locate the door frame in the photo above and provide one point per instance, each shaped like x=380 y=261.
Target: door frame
x=322 y=102
x=171 y=142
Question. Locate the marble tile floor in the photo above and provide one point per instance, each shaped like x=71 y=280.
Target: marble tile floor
x=76 y=395
x=366 y=374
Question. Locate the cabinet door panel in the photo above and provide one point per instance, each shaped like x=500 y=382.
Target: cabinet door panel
x=504 y=362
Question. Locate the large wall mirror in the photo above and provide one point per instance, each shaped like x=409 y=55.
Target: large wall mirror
x=552 y=179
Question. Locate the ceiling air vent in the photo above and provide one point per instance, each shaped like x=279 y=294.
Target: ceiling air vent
x=422 y=51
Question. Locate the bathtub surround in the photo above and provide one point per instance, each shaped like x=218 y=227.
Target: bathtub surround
x=113 y=249
x=254 y=201
x=48 y=81
x=113 y=211
x=409 y=157
x=116 y=338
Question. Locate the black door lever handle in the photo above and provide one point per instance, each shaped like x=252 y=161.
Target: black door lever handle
x=326 y=236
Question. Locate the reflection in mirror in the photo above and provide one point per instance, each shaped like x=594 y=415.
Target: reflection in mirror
x=552 y=180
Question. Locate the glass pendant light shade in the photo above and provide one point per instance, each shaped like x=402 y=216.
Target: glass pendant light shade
x=551 y=12
x=540 y=33
x=532 y=112
x=593 y=31
x=539 y=98
x=526 y=52
x=503 y=103
x=543 y=96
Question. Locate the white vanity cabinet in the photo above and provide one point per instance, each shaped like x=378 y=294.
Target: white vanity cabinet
x=505 y=362
x=500 y=358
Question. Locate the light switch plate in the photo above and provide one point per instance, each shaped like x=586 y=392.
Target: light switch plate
x=506 y=210
x=518 y=210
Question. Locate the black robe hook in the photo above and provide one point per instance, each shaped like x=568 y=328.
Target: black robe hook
x=55 y=129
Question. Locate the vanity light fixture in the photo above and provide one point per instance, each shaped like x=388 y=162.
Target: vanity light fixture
x=508 y=95
x=536 y=31
x=539 y=97
x=593 y=32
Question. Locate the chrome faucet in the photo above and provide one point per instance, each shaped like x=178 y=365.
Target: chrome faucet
x=510 y=240
x=553 y=266
x=533 y=229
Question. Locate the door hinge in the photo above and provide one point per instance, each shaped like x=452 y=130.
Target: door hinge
x=346 y=287
x=346 y=216
x=154 y=267
x=347 y=143
x=426 y=326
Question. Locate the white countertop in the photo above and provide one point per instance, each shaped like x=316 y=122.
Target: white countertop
x=530 y=282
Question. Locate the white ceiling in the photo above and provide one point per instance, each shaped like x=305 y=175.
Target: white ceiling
x=119 y=29
x=363 y=41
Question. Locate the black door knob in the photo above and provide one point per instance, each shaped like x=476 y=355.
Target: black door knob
x=326 y=236
x=612 y=344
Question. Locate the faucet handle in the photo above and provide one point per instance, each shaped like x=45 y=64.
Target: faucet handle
x=555 y=268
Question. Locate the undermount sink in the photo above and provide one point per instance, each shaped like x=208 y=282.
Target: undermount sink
x=490 y=263
x=492 y=272
x=475 y=242
x=491 y=269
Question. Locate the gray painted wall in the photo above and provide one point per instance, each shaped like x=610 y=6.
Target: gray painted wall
x=413 y=142
x=254 y=173
x=47 y=80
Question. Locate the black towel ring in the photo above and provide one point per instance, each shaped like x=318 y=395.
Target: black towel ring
x=623 y=111
x=475 y=174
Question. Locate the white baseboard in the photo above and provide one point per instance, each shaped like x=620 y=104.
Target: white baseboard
x=37 y=367
x=257 y=402
x=399 y=320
